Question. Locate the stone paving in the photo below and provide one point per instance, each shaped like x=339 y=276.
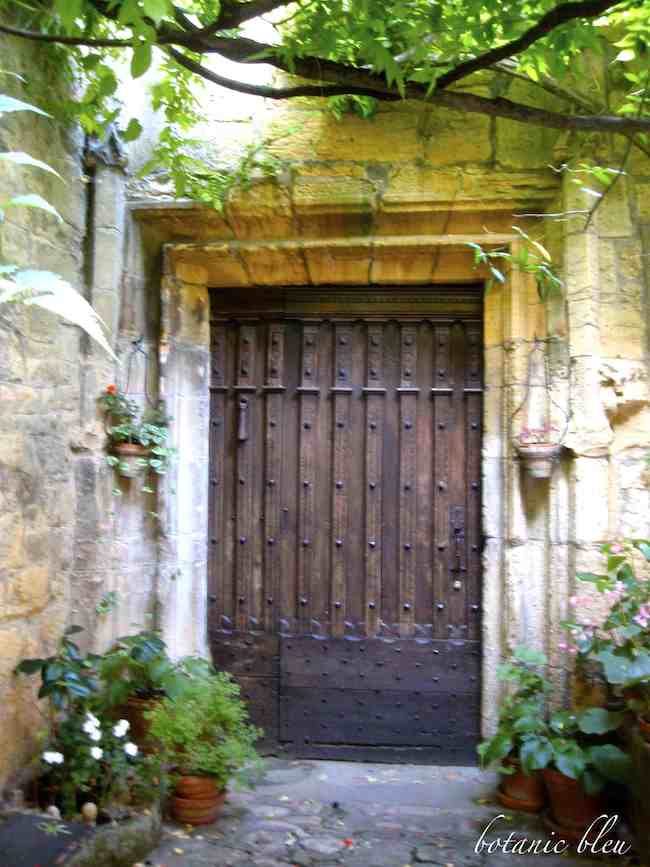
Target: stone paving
x=322 y=814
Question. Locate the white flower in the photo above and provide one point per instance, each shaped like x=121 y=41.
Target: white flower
x=89 y=727
x=96 y=753
x=121 y=728
x=131 y=750
x=91 y=718
x=95 y=735
x=53 y=758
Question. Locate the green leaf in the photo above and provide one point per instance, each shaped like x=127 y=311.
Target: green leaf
x=8 y=104
x=68 y=11
x=53 y=293
x=133 y=130
x=156 y=9
x=22 y=159
x=535 y=754
x=644 y=548
x=611 y=762
x=141 y=60
x=597 y=721
x=73 y=630
x=571 y=762
x=592 y=781
x=32 y=200
x=29 y=666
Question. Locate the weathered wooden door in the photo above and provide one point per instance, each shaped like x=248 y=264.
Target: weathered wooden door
x=344 y=523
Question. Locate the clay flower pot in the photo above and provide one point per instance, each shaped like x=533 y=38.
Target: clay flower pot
x=521 y=791
x=538 y=458
x=134 y=711
x=197 y=800
x=130 y=456
x=572 y=808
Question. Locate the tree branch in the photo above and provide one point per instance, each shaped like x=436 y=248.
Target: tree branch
x=66 y=40
x=553 y=19
x=354 y=81
x=271 y=92
x=234 y=14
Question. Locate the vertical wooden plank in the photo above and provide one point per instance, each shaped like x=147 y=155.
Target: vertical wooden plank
x=457 y=489
x=474 y=404
x=217 y=575
x=272 y=471
x=341 y=396
x=244 y=398
x=442 y=394
x=375 y=392
x=390 y=480
x=309 y=392
x=425 y=528
x=408 y=393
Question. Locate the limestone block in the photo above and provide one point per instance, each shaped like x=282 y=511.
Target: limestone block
x=273 y=264
x=345 y=224
x=493 y=502
x=107 y=260
x=421 y=185
x=261 y=212
x=341 y=264
x=192 y=272
x=454 y=137
x=397 y=265
x=590 y=499
x=27 y=592
x=224 y=267
x=613 y=218
x=522 y=187
x=330 y=195
x=643 y=199
x=317 y=135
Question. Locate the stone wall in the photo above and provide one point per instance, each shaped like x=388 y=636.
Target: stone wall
x=41 y=388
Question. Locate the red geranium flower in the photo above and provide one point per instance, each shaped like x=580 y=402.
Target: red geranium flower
x=111 y=389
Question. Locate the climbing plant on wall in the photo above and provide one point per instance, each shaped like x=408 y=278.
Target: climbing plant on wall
x=356 y=52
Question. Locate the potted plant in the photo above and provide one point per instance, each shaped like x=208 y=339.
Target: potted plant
x=538 y=450
x=578 y=759
x=205 y=740
x=521 y=716
x=136 y=442
x=137 y=673
x=609 y=627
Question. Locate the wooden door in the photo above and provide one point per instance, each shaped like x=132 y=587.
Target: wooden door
x=344 y=522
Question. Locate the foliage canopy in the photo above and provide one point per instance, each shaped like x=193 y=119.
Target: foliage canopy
x=457 y=54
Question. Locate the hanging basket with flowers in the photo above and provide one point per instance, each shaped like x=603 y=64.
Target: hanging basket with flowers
x=137 y=441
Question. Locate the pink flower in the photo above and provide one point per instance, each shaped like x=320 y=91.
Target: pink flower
x=563 y=645
x=573 y=601
x=641 y=620
x=616 y=548
x=573 y=651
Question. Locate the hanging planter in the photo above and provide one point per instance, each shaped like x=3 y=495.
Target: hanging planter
x=537 y=453
x=132 y=459
x=137 y=441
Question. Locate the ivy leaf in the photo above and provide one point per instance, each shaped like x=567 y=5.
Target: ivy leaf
x=133 y=130
x=141 y=60
x=22 y=159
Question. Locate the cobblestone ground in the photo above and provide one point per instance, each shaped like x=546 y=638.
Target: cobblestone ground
x=321 y=814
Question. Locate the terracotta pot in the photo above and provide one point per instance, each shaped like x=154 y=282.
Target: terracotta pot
x=644 y=728
x=134 y=711
x=197 y=800
x=131 y=456
x=521 y=791
x=571 y=806
x=538 y=458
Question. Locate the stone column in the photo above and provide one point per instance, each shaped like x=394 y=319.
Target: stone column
x=184 y=381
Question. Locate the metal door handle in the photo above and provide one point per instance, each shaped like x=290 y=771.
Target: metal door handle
x=242 y=430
